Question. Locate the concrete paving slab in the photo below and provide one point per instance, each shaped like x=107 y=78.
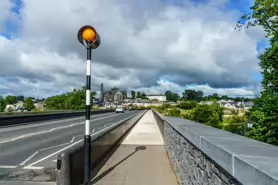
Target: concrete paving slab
x=141 y=159
x=137 y=165
x=145 y=132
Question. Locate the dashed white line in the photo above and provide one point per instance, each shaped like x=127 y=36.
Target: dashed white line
x=33 y=167
x=57 y=152
x=30 y=157
x=37 y=133
x=72 y=139
x=7 y=166
x=48 y=123
x=53 y=147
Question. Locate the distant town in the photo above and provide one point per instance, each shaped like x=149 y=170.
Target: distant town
x=115 y=97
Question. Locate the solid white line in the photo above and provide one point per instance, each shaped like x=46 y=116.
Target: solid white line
x=30 y=157
x=57 y=152
x=47 y=131
x=33 y=167
x=19 y=127
x=7 y=166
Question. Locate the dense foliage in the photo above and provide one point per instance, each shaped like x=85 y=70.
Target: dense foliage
x=264 y=113
x=190 y=94
x=28 y=104
x=188 y=105
x=171 y=96
x=2 y=104
x=207 y=114
x=74 y=100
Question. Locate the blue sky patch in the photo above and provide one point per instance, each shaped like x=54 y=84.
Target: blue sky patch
x=11 y=27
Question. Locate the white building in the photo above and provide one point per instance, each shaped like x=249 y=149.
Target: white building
x=157 y=97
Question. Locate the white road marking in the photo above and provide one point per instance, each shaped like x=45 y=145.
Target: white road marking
x=53 y=147
x=57 y=152
x=54 y=161
x=72 y=139
x=30 y=157
x=33 y=167
x=7 y=166
x=20 y=127
x=51 y=130
x=93 y=131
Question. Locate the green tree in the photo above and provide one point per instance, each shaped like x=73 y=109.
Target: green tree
x=263 y=13
x=10 y=100
x=264 y=113
x=207 y=114
x=190 y=94
x=175 y=97
x=139 y=95
x=168 y=95
x=133 y=94
x=215 y=96
x=174 y=112
x=224 y=97
x=72 y=100
x=29 y=104
x=2 y=104
x=20 y=98
x=188 y=105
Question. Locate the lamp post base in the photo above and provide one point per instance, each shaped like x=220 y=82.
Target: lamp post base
x=87 y=160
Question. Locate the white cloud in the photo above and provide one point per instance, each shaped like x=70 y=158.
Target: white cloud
x=142 y=42
x=5 y=11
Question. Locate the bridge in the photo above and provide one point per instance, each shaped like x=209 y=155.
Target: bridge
x=136 y=147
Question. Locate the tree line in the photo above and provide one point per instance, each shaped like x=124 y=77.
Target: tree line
x=197 y=95
x=11 y=100
x=75 y=100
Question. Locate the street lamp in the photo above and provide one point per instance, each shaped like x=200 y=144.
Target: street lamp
x=250 y=123
x=89 y=38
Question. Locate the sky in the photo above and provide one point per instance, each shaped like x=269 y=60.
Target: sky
x=148 y=46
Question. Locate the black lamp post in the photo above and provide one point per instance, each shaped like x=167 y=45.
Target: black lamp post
x=89 y=38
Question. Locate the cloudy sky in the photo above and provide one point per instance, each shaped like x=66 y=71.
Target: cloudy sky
x=147 y=45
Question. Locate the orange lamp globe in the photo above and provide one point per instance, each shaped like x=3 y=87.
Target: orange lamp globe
x=89 y=35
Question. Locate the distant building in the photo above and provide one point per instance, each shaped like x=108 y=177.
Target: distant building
x=112 y=97
x=156 y=97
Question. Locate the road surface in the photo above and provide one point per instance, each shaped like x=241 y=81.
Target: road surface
x=29 y=151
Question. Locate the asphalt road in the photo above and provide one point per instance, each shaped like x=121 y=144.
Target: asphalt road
x=29 y=151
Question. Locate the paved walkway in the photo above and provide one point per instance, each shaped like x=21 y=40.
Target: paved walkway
x=140 y=160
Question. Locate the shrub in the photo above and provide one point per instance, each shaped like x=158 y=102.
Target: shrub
x=187 y=105
x=207 y=114
x=235 y=128
x=174 y=112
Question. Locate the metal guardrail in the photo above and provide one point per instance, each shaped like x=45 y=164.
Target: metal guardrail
x=15 y=120
x=70 y=163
